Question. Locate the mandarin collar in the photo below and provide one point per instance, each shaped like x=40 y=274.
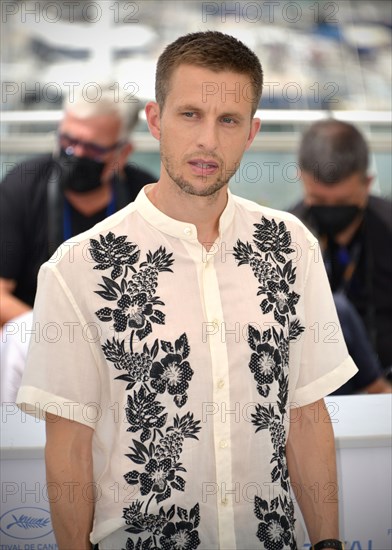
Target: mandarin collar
x=181 y=230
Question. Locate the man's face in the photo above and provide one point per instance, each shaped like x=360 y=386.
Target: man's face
x=353 y=190
x=204 y=128
x=102 y=131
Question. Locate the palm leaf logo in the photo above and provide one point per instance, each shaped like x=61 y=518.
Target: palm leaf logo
x=28 y=522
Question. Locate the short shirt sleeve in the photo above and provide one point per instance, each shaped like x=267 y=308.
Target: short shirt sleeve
x=324 y=360
x=61 y=374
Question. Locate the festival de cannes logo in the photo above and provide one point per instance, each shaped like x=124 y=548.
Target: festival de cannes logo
x=26 y=523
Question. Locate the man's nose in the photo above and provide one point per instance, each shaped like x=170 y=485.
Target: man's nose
x=208 y=135
x=79 y=150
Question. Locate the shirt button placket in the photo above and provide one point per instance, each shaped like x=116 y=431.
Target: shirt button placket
x=221 y=396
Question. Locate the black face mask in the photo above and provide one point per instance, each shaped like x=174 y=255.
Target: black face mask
x=80 y=174
x=331 y=220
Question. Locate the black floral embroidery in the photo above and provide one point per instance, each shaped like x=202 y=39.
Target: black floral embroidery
x=137 y=521
x=280 y=299
x=273 y=239
x=262 y=269
x=113 y=252
x=160 y=477
x=159 y=447
x=172 y=373
x=161 y=467
x=137 y=365
x=143 y=413
x=140 y=545
x=147 y=276
x=135 y=298
x=182 y=428
x=180 y=535
x=274 y=529
x=173 y=535
x=269 y=364
x=134 y=311
x=266 y=418
x=266 y=361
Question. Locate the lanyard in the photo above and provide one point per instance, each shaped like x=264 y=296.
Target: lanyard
x=67 y=215
x=347 y=261
x=350 y=261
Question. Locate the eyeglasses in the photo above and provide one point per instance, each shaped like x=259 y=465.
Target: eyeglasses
x=92 y=150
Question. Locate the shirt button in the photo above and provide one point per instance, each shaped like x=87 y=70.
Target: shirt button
x=188 y=231
x=223 y=444
x=215 y=322
x=221 y=383
x=224 y=501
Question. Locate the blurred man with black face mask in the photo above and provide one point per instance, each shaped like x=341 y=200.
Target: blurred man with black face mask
x=355 y=232
x=49 y=199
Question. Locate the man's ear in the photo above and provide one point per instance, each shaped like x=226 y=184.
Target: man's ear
x=369 y=181
x=126 y=150
x=254 y=130
x=153 y=116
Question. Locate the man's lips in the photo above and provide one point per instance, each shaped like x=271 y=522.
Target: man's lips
x=203 y=166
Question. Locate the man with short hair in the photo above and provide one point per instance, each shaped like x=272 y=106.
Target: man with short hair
x=49 y=199
x=193 y=399
x=355 y=230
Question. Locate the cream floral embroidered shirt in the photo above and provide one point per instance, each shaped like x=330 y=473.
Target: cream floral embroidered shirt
x=189 y=366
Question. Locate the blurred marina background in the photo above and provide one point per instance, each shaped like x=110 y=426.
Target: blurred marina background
x=320 y=59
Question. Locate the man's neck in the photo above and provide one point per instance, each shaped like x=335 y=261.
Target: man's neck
x=345 y=237
x=203 y=212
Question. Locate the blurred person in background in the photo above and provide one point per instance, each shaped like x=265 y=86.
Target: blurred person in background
x=355 y=232
x=48 y=199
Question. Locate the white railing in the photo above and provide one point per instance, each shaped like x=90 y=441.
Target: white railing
x=26 y=142
x=272 y=116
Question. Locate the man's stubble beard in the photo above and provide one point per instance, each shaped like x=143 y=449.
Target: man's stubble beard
x=186 y=186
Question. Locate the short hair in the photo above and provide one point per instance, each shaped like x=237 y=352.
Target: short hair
x=212 y=50
x=109 y=100
x=332 y=150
